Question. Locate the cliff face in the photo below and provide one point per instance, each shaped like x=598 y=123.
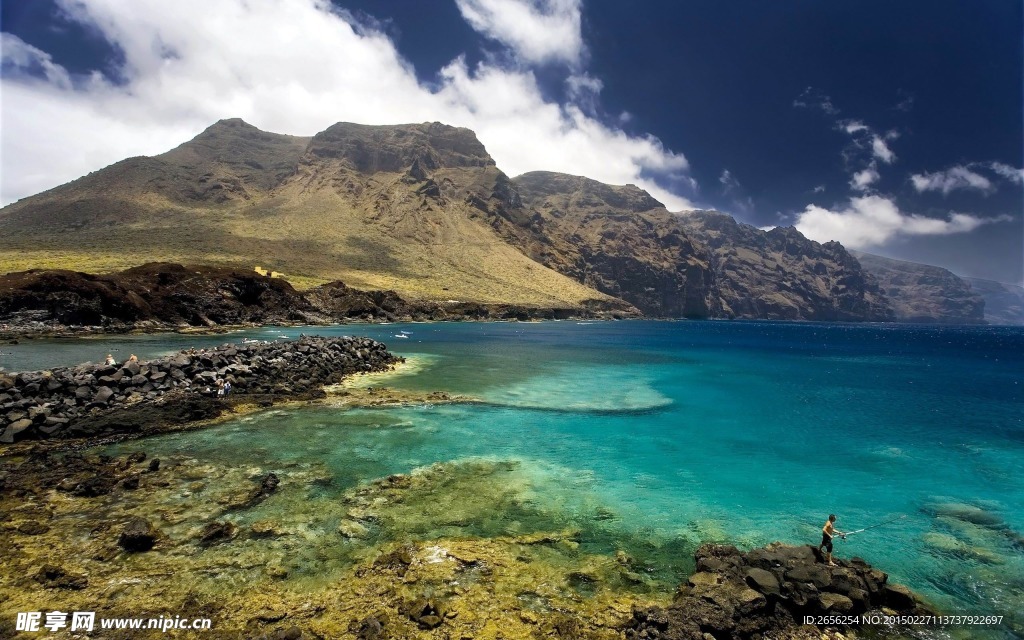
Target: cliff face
x=616 y=239
x=1004 y=303
x=923 y=293
x=780 y=274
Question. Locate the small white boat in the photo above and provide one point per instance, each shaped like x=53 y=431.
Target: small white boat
x=399 y=335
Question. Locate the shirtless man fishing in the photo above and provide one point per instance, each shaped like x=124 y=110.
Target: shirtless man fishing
x=827 y=532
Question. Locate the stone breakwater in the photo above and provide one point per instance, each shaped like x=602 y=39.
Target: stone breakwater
x=768 y=592
x=135 y=397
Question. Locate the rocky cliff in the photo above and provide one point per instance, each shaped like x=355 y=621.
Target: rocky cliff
x=616 y=239
x=780 y=274
x=923 y=293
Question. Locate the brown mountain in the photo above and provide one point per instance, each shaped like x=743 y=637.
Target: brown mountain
x=396 y=208
x=423 y=211
x=924 y=293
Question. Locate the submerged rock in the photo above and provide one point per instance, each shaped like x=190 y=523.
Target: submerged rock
x=966 y=512
x=54 y=577
x=369 y=628
x=32 y=528
x=265 y=529
x=353 y=529
x=216 y=532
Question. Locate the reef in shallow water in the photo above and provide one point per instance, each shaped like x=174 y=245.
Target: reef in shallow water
x=454 y=550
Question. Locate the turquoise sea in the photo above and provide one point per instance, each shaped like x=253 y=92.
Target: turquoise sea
x=739 y=432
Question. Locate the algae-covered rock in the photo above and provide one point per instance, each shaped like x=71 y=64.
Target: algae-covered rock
x=266 y=529
x=54 y=577
x=217 y=532
x=353 y=529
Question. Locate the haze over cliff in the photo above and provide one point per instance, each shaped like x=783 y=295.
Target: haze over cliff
x=925 y=293
x=422 y=209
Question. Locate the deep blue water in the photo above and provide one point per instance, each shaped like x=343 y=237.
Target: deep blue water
x=742 y=432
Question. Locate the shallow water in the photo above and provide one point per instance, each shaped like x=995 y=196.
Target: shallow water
x=677 y=433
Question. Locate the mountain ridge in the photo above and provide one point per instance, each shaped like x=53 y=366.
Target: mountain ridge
x=423 y=210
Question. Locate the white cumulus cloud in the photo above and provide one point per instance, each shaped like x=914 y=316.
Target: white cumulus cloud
x=189 y=63
x=1012 y=174
x=862 y=180
x=873 y=220
x=880 y=149
x=958 y=177
x=537 y=31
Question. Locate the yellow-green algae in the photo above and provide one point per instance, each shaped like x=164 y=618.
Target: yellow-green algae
x=300 y=559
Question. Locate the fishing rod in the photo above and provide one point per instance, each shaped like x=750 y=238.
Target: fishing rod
x=890 y=521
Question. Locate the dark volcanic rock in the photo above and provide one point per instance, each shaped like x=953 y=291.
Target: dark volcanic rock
x=74 y=403
x=166 y=296
x=138 y=535
x=766 y=593
x=54 y=577
x=170 y=294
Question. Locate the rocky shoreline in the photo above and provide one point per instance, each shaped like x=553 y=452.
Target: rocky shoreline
x=90 y=401
x=767 y=592
x=164 y=297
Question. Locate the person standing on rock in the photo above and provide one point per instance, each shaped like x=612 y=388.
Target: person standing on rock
x=827 y=532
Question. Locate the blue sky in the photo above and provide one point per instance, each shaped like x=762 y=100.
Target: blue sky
x=893 y=127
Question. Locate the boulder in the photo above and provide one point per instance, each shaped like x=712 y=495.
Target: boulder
x=898 y=597
x=17 y=430
x=763 y=581
x=138 y=535
x=816 y=575
x=835 y=603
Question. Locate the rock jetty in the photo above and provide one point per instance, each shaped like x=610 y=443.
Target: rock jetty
x=770 y=591
x=134 y=397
